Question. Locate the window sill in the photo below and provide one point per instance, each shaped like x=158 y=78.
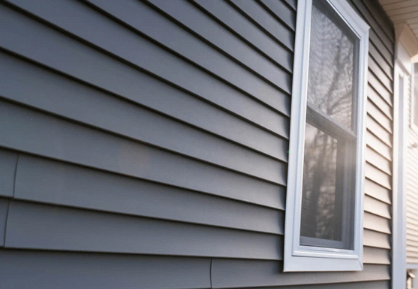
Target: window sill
x=318 y=264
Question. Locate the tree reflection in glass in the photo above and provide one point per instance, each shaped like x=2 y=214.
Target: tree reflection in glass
x=319 y=185
x=331 y=95
x=331 y=67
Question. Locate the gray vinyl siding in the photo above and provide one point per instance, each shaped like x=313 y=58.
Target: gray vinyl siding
x=143 y=144
x=379 y=138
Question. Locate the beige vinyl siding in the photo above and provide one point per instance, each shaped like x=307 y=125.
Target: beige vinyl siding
x=379 y=137
x=411 y=187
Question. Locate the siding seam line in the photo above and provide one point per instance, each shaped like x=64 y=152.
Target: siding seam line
x=210 y=272
x=5 y=225
x=15 y=174
x=8 y=206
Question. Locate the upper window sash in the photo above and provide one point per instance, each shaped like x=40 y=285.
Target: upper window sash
x=298 y=257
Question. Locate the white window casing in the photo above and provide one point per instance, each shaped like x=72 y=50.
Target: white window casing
x=298 y=257
x=414 y=117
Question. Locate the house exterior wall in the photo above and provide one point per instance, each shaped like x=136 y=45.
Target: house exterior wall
x=411 y=186
x=144 y=145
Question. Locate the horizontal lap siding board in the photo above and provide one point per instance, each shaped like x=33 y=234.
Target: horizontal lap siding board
x=79 y=156
x=379 y=135
x=227 y=273
x=128 y=75
x=376 y=113
x=69 y=98
x=69 y=270
x=376 y=239
x=378 y=192
x=4 y=210
x=146 y=144
x=42 y=134
x=112 y=114
x=8 y=165
x=376 y=207
x=46 y=181
x=377 y=160
x=384 y=20
x=377 y=71
x=381 y=62
x=377 y=220
x=363 y=285
x=377 y=203
x=383 y=106
x=36 y=226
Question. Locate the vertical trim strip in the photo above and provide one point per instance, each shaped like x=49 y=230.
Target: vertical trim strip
x=398 y=199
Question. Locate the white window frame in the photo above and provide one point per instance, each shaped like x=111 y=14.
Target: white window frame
x=412 y=107
x=308 y=258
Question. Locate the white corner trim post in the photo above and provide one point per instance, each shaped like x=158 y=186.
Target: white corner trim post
x=399 y=199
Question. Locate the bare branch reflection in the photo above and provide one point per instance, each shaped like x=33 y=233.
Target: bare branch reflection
x=319 y=182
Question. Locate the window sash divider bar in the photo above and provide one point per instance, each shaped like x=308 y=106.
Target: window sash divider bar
x=327 y=124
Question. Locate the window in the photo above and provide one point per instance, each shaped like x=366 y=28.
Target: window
x=326 y=155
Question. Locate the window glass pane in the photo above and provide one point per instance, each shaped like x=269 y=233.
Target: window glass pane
x=331 y=65
x=321 y=200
